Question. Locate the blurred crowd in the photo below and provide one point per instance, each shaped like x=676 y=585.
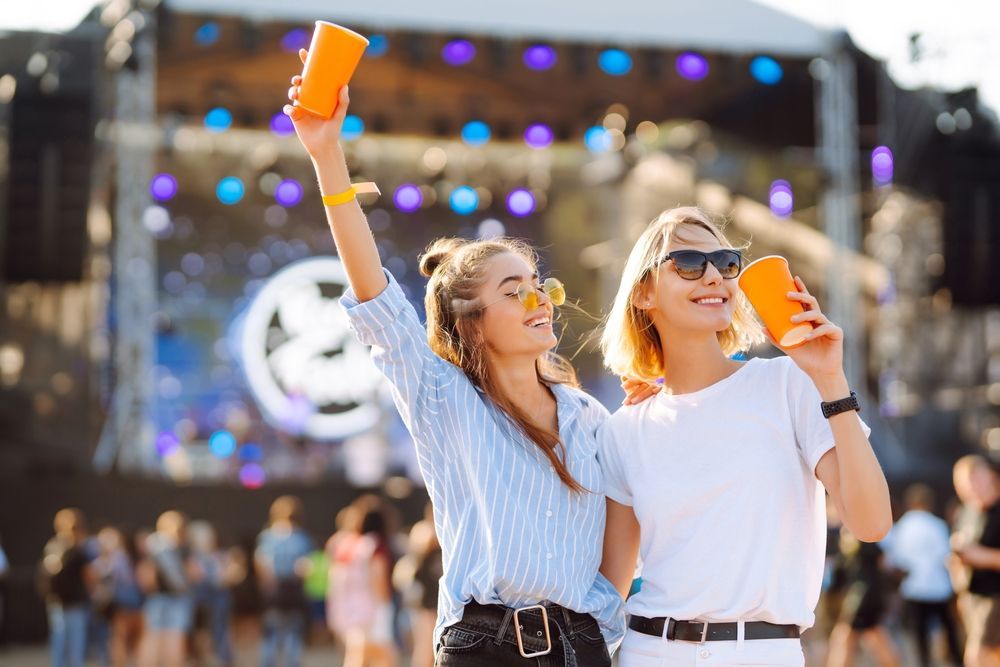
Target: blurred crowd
x=164 y=596
x=929 y=593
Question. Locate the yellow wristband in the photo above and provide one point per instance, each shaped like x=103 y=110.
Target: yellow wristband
x=341 y=198
x=351 y=193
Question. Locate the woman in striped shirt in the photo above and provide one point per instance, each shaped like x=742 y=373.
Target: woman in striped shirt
x=505 y=440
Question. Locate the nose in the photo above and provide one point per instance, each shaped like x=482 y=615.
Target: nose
x=712 y=275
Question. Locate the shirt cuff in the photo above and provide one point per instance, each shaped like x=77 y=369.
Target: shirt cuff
x=367 y=319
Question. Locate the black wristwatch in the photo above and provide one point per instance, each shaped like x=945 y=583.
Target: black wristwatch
x=831 y=408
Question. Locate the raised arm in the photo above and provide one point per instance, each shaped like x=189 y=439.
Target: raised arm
x=351 y=234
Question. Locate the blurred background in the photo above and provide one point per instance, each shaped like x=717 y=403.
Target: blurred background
x=170 y=337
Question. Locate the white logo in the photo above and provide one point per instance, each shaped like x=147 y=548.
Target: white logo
x=306 y=369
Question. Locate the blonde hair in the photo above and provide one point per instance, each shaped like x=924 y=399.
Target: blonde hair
x=630 y=342
x=457 y=268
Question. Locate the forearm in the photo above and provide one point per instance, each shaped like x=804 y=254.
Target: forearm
x=863 y=491
x=621 y=547
x=351 y=233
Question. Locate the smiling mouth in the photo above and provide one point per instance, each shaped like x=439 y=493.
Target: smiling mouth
x=540 y=321
x=710 y=301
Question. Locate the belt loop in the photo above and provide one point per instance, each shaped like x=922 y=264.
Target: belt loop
x=668 y=629
x=503 y=626
x=568 y=622
x=741 y=633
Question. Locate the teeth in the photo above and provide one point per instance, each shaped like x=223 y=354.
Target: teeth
x=711 y=300
x=538 y=322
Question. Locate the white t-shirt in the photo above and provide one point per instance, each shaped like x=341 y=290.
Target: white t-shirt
x=919 y=543
x=722 y=482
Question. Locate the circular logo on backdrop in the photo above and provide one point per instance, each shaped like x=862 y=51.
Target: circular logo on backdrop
x=305 y=368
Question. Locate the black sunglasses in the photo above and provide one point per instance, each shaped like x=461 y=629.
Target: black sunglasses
x=691 y=264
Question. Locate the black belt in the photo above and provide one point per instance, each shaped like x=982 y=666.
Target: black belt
x=526 y=628
x=698 y=631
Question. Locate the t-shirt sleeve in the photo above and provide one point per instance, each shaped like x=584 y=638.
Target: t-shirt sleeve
x=813 y=434
x=390 y=325
x=610 y=456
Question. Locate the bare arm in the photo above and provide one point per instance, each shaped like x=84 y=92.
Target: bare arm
x=351 y=234
x=621 y=546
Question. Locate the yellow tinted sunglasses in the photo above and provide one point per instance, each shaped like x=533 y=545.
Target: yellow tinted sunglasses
x=527 y=294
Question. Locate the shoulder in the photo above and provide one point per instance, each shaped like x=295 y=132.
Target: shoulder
x=590 y=407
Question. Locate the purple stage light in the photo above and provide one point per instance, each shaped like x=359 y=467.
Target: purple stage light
x=163 y=187
x=295 y=39
x=539 y=57
x=458 y=52
x=539 y=135
x=288 y=192
x=882 y=165
x=408 y=198
x=521 y=202
x=252 y=476
x=781 y=199
x=281 y=125
x=692 y=66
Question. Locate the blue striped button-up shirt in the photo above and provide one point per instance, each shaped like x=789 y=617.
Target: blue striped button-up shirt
x=511 y=532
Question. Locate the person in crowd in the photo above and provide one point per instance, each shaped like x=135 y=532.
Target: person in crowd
x=919 y=546
x=117 y=596
x=729 y=453
x=977 y=548
x=416 y=576
x=66 y=577
x=167 y=576
x=866 y=599
x=280 y=563
x=361 y=611
x=221 y=570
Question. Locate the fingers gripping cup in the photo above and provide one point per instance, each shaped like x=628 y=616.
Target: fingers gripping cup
x=334 y=54
x=766 y=282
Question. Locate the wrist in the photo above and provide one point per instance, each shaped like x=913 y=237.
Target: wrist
x=832 y=387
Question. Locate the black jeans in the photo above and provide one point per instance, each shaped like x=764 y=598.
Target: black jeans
x=486 y=637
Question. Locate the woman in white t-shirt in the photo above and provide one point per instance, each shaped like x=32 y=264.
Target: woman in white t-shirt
x=716 y=482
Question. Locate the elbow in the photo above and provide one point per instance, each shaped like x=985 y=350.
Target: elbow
x=875 y=531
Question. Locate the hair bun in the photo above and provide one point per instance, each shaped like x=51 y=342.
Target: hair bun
x=439 y=252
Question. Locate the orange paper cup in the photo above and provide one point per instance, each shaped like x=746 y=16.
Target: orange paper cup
x=334 y=54
x=766 y=282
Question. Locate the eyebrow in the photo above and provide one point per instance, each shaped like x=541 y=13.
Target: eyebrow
x=517 y=278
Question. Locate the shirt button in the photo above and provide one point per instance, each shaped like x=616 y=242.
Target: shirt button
x=552 y=468
x=548 y=513
x=549 y=556
x=705 y=653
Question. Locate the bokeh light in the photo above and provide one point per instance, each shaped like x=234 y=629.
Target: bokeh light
x=230 y=190
x=252 y=476
x=207 y=33
x=781 y=199
x=458 y=52
x=882 y=165
x=288 y=192
x=463 y=200
x=615 y=62
x=476 y=133
x=539 y=57
x=163 y=187
x=166 y=443
x=692 y=66
x=408 y=198
x=222 y=444
x=597 y=139
x=251 y=452
x=520 y=202
x=352 y=128
x=766 y=69
x=539 y=135
x=295 y=39
x=378 y=46
x=281 y=125
x=218 y=119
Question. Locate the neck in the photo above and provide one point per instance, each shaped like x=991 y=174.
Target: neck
x=693 y=361
x=518 y=380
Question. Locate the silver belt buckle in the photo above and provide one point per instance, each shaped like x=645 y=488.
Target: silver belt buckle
x=704 y=631
x=545 y=623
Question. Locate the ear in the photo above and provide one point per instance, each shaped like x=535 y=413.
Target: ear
x=644 y=296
